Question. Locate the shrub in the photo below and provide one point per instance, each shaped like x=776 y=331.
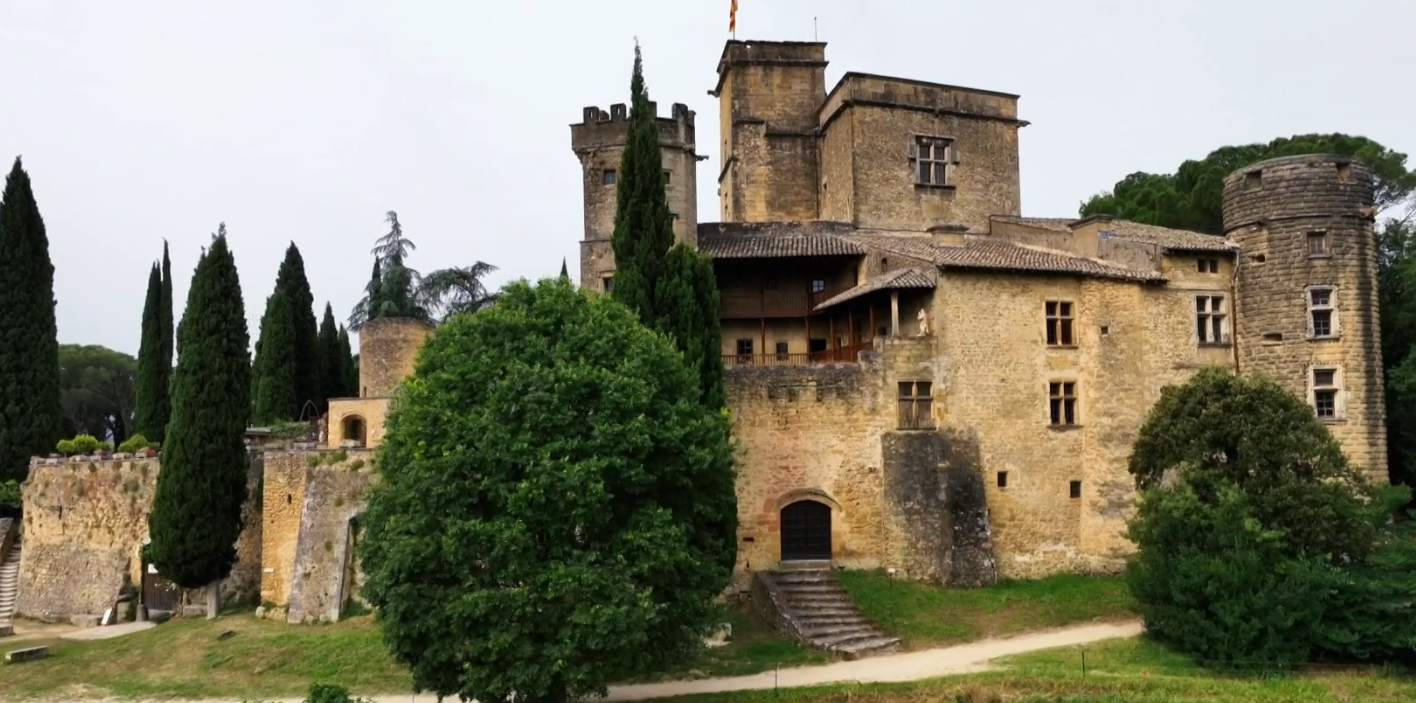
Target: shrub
x=134 y=444
x=82 y=444
x=10 y=499
x=326 y=693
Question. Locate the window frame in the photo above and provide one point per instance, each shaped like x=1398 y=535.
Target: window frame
x=744 y=343
x=1205 y=320
x=1208 y=265
x=1329 y=307
x=607 y=283
x=932 y=145
x=1061 y=329
x=609 y=177
x=1062 y=401
x=915 y=406
x=1333 y=389
x=782 y=350
x=1319 y=235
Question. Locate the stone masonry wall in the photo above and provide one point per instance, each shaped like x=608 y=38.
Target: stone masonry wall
x=85 y=523
x=388 y=352
x=1270 y=209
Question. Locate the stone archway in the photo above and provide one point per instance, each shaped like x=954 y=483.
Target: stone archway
x=806 y=531
x=354 y=429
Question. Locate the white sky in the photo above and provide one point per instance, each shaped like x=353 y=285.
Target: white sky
x=306 y=121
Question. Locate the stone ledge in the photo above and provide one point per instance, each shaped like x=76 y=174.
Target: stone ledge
x=27 y=654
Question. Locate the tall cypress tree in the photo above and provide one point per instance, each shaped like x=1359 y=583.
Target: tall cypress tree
x=333 y=367
x=351 y=365
x=152 y=378
x=163 y=401
x=31 y=418
x=643 y=226
x=291 y=279
x=196 y=515
x=687 y=302
x=565 y=273
x=276 y=366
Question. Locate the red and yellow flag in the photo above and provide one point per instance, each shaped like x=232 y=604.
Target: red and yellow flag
x=732 y=17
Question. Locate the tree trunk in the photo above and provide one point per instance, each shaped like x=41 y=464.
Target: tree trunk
x=213 y=600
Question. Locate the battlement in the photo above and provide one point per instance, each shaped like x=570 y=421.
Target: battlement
x=1309 y=185
x=599 y=129
x=769 y=53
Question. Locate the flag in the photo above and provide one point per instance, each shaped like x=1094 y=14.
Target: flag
x=732 y=18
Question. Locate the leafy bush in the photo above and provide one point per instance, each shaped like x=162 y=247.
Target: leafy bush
x=134 y=444
x=82 y=444
x=1256 y=541
x=287 y=429
x=10 y=499
x=327 y=693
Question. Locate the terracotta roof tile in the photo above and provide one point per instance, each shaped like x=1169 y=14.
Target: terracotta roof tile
x=754 y=246
x=1055 y=224
x=982 y=253
x=1174 y=239
x=890 y=280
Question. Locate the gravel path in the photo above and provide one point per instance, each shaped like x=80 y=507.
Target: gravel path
x=909 y=666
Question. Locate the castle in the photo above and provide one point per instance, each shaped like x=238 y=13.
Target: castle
x=925 y=380
x=920 y=378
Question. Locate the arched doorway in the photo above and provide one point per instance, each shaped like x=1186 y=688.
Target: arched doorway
x=353 y=429
x=806 y=531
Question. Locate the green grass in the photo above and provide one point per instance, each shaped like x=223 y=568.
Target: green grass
x=927 y=616
x=1118 y=671
x=187 y=658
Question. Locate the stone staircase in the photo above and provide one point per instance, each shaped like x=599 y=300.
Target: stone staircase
x=808 y=602
x=9 y=584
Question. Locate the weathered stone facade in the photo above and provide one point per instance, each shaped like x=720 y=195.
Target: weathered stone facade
x=388 y=351
x=85 y=523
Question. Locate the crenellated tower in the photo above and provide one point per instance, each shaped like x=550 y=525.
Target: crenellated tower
x=598 y=141
x=1307 y=311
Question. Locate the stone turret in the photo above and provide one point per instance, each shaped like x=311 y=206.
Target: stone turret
x=1307 y=310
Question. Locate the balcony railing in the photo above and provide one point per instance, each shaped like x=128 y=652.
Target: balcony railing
x=772 y=303
x=848 y=354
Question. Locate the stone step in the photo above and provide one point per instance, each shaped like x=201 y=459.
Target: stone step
x=814 y=565
x=794 y=576
x=819 y=602
x=826 y=611
x=792 y=589
x=835 y=634
x=869 y=647
x=824 y=621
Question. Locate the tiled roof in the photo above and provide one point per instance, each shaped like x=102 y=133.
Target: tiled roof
x=758 y=246
x=1175 y=239
x=982 y=253
x=890 y=280
x=1055 y=224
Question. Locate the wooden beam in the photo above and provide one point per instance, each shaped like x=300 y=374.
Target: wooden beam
x=894 y=313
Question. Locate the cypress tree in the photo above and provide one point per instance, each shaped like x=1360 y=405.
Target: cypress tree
x=688 y=313
x=291 y=279
x=196 y=515
x=276 y=365
x=333 y=366
x=163 y=401
x=31 y=418
x=565 y=273
x=152 y=382
x=643 y=226
x=351 y=365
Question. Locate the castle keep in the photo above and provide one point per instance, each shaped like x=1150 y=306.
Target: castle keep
x=922 y=378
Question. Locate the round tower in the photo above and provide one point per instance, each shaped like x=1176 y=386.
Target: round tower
x=388 y=350
x=1306 y=292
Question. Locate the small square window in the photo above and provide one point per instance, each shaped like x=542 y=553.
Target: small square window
x=608 y=283
x=781 y=351
x=1209 y=265
x=1062 y=403
x=916 y=405
x=608 y=178
x=744 y=347
x=818 y=286
x=933 y=157
x=1002 y=479
x=1318 y=244
x=668 y=176
x=1074 y=489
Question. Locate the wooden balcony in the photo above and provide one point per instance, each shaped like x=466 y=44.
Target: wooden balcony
x=737 y=304
x=843 y=355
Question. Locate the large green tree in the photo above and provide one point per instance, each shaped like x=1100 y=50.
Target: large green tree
x=277 y=365
x=98 y=388
x=291 y=279
x=553 y=513
x=169 y=336
x=334 y=367
x=196 y=515
x=151 y=421
x=458 y=290
x=1256 y=541
x=688 y=313
x=31 y=418
x=643 y=229
x=351 y=364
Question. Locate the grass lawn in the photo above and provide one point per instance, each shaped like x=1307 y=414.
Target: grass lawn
x=189 y=658
x=930 y=616
x=1118 y=671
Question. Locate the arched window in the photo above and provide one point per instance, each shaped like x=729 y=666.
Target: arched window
x=354 y=429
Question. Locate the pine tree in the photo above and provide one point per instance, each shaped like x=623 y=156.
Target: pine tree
x=163 y=402
x=351 y=365
x=196 y=515
x=152 y=381
x=333 y=366
x=688 y=313
x=291 y=279
x=643 y=226
x=565 y=273
x=276 y=366
x=31 y=418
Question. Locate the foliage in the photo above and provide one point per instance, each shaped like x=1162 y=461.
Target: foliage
x=565 y=273
x=333 y=363
x=590 y=539
x=394 y=289
x=10 y=499
x=1190 y=198
x=196 y=514
x=98 y=388
x=290 y=429
x=163 y=414
x=153 y=373
x=688 y=314
x=31 y=418
x=276 y=367
x=82 y=445
x=643 y=229
x=1396 y=287
x=1256 y=540
x=458 y=290
x=291 y=279
x=133 y=444
x=328 y=693
x=351 y=366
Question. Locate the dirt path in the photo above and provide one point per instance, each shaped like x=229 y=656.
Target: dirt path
x=909 y=666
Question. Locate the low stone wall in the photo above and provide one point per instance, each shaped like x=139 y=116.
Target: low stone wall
x=85 y=522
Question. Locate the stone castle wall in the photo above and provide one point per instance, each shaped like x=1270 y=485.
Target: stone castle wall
x=1271 y=209
x=85 y=523
x=388 y=353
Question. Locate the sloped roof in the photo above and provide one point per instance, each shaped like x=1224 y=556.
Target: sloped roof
x=899 y=279
x=1055 y=224
x=776 y=246
x=1173 y=239
x=980 y=253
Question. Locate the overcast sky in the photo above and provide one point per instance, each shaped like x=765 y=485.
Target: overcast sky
x=306 y=121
